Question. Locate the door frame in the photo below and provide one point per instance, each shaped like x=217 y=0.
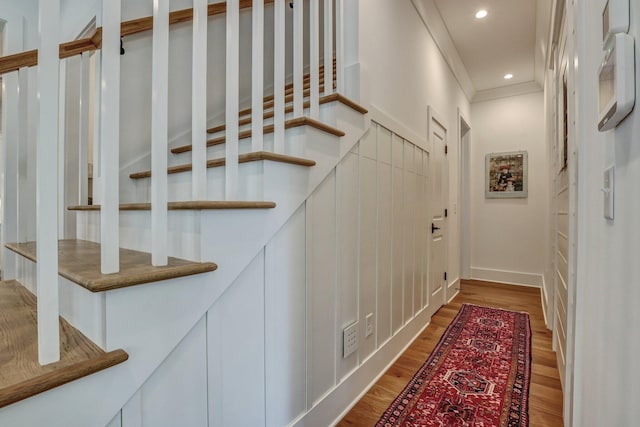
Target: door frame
x=464 y=195
x=434 y=115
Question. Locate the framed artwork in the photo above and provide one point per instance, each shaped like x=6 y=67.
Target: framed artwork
x=506 y=175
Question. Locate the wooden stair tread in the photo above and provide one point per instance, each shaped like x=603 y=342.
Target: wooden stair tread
x=187 y=205
x=79 y=261
x=242 y=158
x=21 y=376
x=327 y=99
x=289 y=124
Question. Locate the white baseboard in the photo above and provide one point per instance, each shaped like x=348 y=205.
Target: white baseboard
x=454 y=284
x=509 y=277
x=544 y=300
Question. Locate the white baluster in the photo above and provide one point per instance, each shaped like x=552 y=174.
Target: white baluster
x=257 y=76
x=278 y=74
x=96 y=102
x=328 y=47
x=25 y=193
x=159 y=132
x=13 y=124
x=83 y=140
x=314 y=59
x=46 y=182
x=199 y=101
x=62 y=141
x=298 y=58
x=232 y=99
x=339 y=46
x=110 y=137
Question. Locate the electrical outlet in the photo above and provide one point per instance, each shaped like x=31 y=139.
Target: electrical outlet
x=368 y=325
x=350 y=340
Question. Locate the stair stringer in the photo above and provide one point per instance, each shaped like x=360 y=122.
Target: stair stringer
x=149 y=321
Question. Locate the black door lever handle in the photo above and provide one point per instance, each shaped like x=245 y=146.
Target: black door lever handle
x=434 y=228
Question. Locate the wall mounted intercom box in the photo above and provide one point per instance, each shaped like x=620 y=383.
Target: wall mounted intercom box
x=616 y=76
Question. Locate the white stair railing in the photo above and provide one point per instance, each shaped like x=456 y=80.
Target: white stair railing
x=46 y=182
x=257 y=76
x=298 y=57
x=328 y=46
x=314 y=59
x=339 y=28
x=110 y=137
x=159 y=132
x=278 y=74
x=199 y=101
x=232 y=99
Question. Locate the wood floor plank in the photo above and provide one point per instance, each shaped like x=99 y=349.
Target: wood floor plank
x=545 y=400
x=21 y=376
x=79 y=261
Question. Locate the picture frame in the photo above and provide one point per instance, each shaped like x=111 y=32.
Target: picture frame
x=506 y=175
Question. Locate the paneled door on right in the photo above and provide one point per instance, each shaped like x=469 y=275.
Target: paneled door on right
x=439 y=174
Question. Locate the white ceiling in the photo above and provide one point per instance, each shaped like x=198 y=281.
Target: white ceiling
x=511 y=39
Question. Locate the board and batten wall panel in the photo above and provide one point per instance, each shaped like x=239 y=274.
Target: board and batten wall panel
x=397 y=249
x=285 y=322
x=409 y=230
x=562 y=268
x=368 y=217
x=347 y=188
x=321 y=290
x=384 y=230
x=236 y=341
x=182 y=371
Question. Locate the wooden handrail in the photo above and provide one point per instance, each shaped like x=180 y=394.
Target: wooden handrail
x=14 y=62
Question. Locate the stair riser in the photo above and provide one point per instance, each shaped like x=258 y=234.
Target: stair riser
x=180 y=184
x=135 y=231
x=218 y=151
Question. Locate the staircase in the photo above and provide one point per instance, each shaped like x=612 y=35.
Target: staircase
x=118 y=331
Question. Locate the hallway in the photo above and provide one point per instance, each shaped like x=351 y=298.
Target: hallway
x=545 y=401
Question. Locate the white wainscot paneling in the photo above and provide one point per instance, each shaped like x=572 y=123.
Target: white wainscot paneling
x=421 y=234
x=285 y=311
x=397 y=203
x=384 y=144
x=384 y=301
x=116 y=421
x=235 y=329
x=176 y=393
x=368 y=248
x=409 y=230
x=368 y=143
x=321 y=290
x=347 y=187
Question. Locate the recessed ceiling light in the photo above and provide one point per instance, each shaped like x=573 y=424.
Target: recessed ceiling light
x=481 y=13
x=508 y=76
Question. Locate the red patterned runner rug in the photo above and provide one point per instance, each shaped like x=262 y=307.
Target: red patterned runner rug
x=478 y=375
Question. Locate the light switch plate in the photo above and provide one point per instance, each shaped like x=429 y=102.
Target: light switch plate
x=608 y=188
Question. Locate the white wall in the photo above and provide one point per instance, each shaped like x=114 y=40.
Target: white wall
x=509 y=235
x=404 y=72
x=607 y=296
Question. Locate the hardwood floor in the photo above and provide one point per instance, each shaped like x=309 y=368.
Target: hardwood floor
x=545 y=396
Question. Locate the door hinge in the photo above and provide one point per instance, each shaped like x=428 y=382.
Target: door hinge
x=445 y=275
x=446 y=149
x=446 y=213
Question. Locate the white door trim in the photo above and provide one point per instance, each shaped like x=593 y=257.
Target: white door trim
x=464 y=195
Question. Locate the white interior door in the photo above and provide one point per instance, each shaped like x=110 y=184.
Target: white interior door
x=439 y=181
